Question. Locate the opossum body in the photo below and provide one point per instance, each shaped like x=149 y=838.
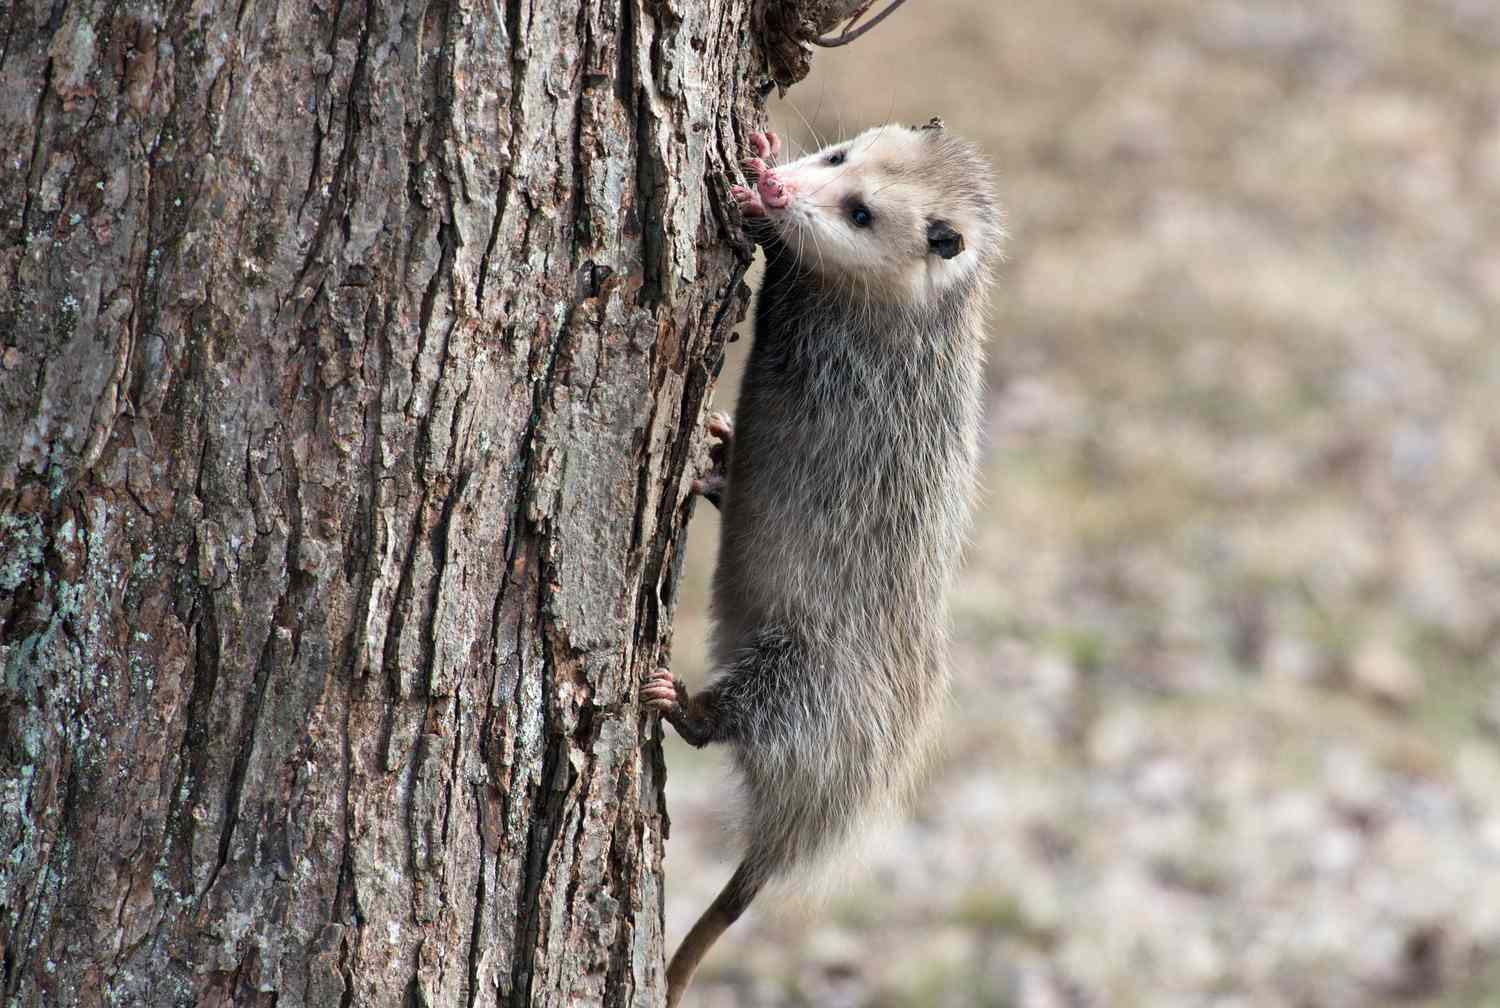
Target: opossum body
x=846 y=492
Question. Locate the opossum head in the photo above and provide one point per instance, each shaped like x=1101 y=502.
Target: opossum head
x=897 y=213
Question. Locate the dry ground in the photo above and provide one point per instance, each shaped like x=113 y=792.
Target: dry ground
x=1230 y=627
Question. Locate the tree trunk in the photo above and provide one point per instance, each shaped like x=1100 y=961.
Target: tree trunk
x=351 y=364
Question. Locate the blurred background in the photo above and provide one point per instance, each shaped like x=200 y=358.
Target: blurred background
x=1226 y=727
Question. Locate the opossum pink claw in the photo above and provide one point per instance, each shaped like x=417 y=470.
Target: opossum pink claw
x=710 y=487
x=765 y=145
x=748 y=200
x=659 y=691
x=720 y=425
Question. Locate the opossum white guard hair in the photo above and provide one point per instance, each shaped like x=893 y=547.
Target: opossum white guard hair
x=846 y=495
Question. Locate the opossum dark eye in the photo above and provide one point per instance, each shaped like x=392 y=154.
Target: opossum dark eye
x=860 y=215
x=836 y=158
x=943 y=240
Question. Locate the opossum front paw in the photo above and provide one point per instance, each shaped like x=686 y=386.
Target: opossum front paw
x=748 y=200
x=721 y=426
x=765 y=145
x=711 y=485
x=711 y=488
x=661 y=692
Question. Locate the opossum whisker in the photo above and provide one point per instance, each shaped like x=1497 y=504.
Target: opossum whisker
x=818 y=113
x=817 y=247
x=809 y=126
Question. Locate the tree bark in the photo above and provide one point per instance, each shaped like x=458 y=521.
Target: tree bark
x=352 y=357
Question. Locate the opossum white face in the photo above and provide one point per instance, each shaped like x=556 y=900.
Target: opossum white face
x=894 y=214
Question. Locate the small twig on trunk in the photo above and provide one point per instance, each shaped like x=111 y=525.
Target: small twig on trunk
x=850 y=33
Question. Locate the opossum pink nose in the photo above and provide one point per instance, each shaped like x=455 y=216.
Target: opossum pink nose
x=773 y=192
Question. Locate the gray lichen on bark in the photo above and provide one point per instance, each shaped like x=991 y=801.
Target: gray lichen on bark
x=351 y=362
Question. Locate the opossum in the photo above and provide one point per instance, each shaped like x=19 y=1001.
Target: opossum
x=846 y=490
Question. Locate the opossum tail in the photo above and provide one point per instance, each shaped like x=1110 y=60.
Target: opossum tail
x=724 y=911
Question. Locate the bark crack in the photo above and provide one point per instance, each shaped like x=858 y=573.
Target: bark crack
x=517 y=112
x=338 y=184
x=476 y=930
x=34 y=175
x=650 y=174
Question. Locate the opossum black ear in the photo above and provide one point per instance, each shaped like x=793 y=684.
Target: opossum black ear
x=934 y=124
x=942 y=239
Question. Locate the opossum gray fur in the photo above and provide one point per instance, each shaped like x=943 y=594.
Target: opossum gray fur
x=846 y=493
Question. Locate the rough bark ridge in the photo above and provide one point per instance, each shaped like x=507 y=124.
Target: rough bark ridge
x=351 y=358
